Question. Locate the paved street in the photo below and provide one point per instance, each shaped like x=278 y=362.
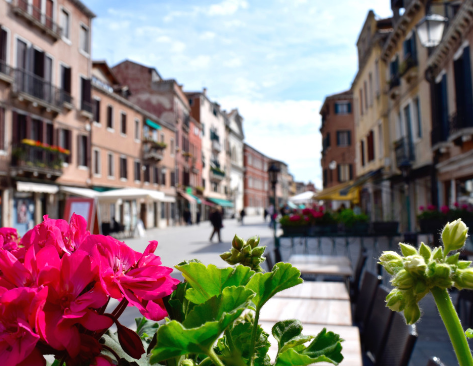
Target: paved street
x=180 y=243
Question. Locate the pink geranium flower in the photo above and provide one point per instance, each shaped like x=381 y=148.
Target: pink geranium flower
x=444 y=209
x=456 y=204
x=431 y=207
x=464 y=206
x=294 y=218
x=18 y=309
x=421 y=208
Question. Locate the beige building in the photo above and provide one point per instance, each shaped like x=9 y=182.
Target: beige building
x=45 y=100
x=408 y=115
x=371 y=123
x=130 y=149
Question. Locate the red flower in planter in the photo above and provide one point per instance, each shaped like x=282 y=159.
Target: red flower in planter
x=294 y=218
x=444 y=209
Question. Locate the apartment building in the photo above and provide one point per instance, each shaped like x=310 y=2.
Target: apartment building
x=408 y=114
x=166 y=100
x=257 y=189
x=373 y=165
x=45 y=106
x=215 y=171
x=450 y=75
x=129 y=150
x=234 y=140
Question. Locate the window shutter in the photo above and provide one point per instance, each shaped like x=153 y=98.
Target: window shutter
x=351 y=171
x=328 y=139
x=86 y=90
x=88 y=152
x=362 y=152
x=349 y=138
x=339 y=173
x=15 y=126
x=38 y=66
x=67 y=79
x=79 y=150
x=349 y=108
x=336 y=108
x=467 y=84
x=28 y=133
x=2 y=128
x=68 y=141
x=3 y=46
x=414 y=47
x=338 y=138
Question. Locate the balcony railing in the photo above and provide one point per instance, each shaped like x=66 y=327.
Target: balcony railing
x=394 y=82
x=216 y=146
x=6 y=72
x=153 y=150
x=404 y=152
x=37 y=17
x=408 y=64
x=37 y=160
x=42 y=91
x=87 y=107
x=217 y=174
x=458 y=123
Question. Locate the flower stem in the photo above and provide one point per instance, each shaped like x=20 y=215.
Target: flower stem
x=253 y=337
x=213 y=356
x=453 y=325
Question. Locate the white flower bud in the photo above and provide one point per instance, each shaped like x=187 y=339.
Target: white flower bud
x=412 y=313
x=403 y=280
x=415 y=264
x=407 y=249
x=454 y=235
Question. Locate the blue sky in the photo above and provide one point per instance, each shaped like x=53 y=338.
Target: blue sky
x=274 y=60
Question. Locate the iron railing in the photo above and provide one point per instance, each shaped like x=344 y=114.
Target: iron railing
x=459 y=122
x=404 y=151
x=24 y=8
x=5 y=68
x=86 y=107
x=37 y=159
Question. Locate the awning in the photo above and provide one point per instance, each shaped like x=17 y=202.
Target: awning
x=197 y=199
x=36 y=187
x=207 y=203
x=83 y=192
x=364 y=178
x=291 y=205
x=341 y=192
x=220 y=202
x=132 y=193
x=168 y=199
x=302 y=197
x=187 y=197
x=153 y=124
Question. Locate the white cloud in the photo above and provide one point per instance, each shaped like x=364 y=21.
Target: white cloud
x=227 y=7
x=207 y=35
x=163 y=39
x=178 y=47
x=200 y=62
x=233 y=62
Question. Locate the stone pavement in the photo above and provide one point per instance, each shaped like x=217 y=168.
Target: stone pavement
x=180 y=243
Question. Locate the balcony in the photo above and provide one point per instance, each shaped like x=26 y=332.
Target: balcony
x=39 y=161
x=404 y=152
x=186 y=123
x=393 y=87
x=6 y=72
x=153 y=150
x=86 y=109
x=409 y=69
x=216 y=146
x=38 y=91
x=36 y=17
x=461 y=129
x=217 y=174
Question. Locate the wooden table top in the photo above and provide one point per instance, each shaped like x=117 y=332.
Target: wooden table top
x=351 y=346
x=317 y=290
x=322 y=264
x=334 y=312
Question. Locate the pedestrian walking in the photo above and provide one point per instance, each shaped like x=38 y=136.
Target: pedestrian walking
x=187 y=217
x=271 y=215
x=242 y=215
x=197 y=219
x=265 y=214
x=217 y=223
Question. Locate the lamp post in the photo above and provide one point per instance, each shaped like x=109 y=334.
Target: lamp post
x=273 y=172
x=405 y=168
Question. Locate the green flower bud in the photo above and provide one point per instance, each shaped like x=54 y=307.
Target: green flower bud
x=415 y=264
x=454 y=235
x=188 y=362
x=246 y=251
x=226 y=255
x=420 y=287
x=389 y=256
x=391 y=261
x=395 y=300
x=453 y=259
x=258 y=251
x=442 y=270
x=412 y=313
x=425 y=252
x=403 y=280
x=407 y=249
x=253 y=241
x=464 y=278
x=393 y=267
x=238 y=242
x=437 y=253
x=463 y=264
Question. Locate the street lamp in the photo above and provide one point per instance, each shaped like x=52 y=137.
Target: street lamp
x=273 y=172
x=430 y=30
x=405 y=168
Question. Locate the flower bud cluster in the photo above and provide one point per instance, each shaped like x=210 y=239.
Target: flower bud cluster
x=416 y=272
x=245 y=252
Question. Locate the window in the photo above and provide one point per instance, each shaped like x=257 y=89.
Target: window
x=110 y=117
x=380 y=141
x=163 y=177
x=65 y=142
x=137 y=171
x=173 y=179
x=83 y=151
x=370 y=80
x=326 y=142
x=65 y=24
x=147 y=173
x=86 y=94
x=343 y=138
x=366 y=95
x=214 y=187
x=111 y=167
x=97 y=168
x=410 y=50
x=123 y=168
x=344 y=172
x=3 y=49
x=342 y=108
x=163 y=210
x=66 y=83
x=394 y=69
x=370 y=141
x=361 y=101
x=84 y=38
x=97 y=110
x=2 y=128
x=463 y=87
x=325 y=182
x=250 y=160
x=362 y=152
x=137 y=130
x=172 y=147
x=376 y=75
x=123 y=124
x=203 y=130
x=418 y=117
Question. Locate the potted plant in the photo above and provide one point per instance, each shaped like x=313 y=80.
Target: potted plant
x=431 y=220
x=320 y=221
x=353 y=223
x=385 y=227
x=294 y=225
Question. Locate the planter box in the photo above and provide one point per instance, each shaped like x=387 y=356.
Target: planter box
x=358 y=228
x=385 y=227
x=295 y=230
x=432 y=226
x=318 y=230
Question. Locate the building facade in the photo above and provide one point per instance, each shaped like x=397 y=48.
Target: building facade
x=256 y=186
x=45 y=100
x=235 y=137
x=373 y=166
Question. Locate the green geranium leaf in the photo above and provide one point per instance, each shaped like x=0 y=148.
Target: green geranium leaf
x=326 y=347
x=288 y=334
x=176 y=304
x=204 y=324
x=266 y=285
x=146 y=329
x=111 y=340
x=209 y=281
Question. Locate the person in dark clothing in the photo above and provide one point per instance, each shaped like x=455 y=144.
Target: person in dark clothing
x=197 y=219
x=187 y=217
x=242 y=215
x=265 y=214
x=217 y=223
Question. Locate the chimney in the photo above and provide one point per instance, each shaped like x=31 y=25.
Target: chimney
x=205 y=91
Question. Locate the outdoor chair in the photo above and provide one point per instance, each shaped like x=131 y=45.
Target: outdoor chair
x=464 y=307
x=435 y=361
x=399 y=344
x=365 y=299
x=269 y=261
x=377 y=327
x=354 y=284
